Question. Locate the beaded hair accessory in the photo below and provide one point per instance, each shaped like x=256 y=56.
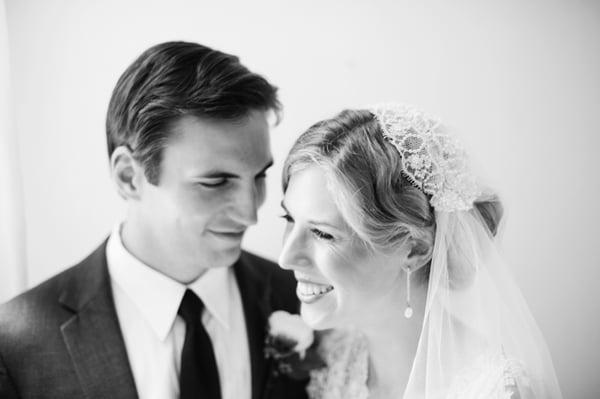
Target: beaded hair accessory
x=432 y=159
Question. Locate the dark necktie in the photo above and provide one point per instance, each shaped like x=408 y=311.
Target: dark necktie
x=199 y=377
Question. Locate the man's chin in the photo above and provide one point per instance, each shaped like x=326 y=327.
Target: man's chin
x=218 y=251
x=228 y=257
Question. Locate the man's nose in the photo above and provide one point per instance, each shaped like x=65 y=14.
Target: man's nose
x=295 y=253
x=246 y=206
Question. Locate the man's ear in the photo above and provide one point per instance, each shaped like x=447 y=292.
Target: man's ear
x=127 y=173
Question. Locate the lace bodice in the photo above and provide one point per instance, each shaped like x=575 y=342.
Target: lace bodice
x=345 y=376
x=492 y=375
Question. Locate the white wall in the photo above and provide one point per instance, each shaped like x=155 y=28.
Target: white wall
x=519 y=79
x=12 y=222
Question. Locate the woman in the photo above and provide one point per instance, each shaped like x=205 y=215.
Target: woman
x=391 y=240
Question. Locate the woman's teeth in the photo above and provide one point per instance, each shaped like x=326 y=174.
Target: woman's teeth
x=308 y=292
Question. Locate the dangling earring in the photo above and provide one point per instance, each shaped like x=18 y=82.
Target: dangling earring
x=408 y=312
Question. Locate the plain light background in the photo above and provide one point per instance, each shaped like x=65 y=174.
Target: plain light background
x=519 y=81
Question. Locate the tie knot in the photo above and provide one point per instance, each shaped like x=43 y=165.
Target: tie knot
x=191 y=307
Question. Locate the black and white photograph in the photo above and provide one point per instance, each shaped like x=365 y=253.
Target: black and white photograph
x=385 y=199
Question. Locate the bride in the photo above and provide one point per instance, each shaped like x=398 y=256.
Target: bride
x=392 y=241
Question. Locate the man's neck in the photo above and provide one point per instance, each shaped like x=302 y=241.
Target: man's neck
x=143 y=247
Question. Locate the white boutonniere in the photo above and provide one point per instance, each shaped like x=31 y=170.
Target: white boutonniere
x=292 y=345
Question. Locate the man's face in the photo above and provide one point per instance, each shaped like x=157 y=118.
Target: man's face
x=212 y=182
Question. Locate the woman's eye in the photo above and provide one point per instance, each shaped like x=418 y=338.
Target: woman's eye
x=322 y=235
x=213 y=183
x=261 y=176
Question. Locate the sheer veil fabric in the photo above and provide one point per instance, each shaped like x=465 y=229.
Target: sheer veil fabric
x=479 y=339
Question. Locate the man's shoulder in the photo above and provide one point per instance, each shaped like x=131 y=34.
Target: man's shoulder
x=38 y=305
x=258 y=263
x=35 y=304
x=280 y=283
x=268 y=269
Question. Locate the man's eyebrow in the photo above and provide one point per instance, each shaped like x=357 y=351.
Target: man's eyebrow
x=221 y=174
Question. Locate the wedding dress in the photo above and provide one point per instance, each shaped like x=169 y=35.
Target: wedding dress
x=492 y=376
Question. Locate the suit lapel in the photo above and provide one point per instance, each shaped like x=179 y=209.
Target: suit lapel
x=255 y=292
x=93 y=336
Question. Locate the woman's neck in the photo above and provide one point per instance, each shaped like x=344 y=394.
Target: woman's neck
x=392 y=340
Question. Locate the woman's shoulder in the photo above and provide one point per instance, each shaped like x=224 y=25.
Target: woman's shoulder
x=345 y=376
x=492 y=375
x=339 y=345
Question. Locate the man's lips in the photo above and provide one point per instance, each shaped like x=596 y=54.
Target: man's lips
x=229 y=233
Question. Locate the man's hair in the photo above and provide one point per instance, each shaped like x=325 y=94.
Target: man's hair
x=174 y=79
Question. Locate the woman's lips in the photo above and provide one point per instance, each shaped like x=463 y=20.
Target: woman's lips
x=309 y=292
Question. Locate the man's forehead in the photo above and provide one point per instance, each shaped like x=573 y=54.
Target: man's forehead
x=202 y=130
x=203 y=145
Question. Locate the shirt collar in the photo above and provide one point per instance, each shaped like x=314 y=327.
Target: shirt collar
x=214 y=287
x=158 y=296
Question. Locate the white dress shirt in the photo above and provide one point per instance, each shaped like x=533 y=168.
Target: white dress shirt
x=147 y=302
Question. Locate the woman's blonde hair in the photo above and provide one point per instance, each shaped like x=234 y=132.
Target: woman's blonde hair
x=364 y=172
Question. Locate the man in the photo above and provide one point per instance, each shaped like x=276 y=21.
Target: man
x=169 y=305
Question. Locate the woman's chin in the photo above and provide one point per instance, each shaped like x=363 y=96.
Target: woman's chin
x=319 y=316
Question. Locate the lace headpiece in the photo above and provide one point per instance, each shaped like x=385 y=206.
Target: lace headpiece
x=432 y=159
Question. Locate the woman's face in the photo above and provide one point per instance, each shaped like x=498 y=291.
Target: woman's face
x=340 y=281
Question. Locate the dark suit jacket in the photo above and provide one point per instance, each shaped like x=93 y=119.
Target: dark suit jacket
x=62 y=338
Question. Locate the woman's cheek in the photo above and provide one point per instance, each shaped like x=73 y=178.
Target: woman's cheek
x=345 y=266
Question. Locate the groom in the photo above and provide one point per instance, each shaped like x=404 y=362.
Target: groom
x=169 y=306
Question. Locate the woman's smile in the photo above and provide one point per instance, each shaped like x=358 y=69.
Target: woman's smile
x=310 y=292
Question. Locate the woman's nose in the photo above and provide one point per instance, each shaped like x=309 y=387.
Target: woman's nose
x=295 y=253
